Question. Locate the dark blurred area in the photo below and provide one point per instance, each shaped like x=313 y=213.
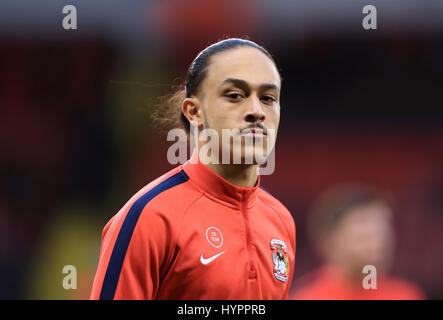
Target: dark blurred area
x=77 y=141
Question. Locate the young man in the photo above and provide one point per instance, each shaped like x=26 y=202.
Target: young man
x=351 y=227
x=206 y=230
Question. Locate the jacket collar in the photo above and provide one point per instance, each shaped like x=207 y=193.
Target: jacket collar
x=216 y=186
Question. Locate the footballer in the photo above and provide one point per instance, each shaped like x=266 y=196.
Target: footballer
x=207 y=230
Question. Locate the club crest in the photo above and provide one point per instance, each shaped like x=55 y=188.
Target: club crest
x=281 y=261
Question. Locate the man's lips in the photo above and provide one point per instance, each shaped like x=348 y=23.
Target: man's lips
x=255 y=132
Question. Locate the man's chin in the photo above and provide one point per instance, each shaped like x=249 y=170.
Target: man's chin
x=256 y=157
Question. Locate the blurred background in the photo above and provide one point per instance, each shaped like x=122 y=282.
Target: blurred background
x=77 y=141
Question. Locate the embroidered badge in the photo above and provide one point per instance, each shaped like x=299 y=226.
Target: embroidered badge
x=281 y=261
x=214 y=237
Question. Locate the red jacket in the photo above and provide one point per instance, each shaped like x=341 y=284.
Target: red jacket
x=191 y=234
x=328 y=283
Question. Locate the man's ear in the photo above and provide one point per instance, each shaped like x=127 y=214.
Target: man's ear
x=191 y=108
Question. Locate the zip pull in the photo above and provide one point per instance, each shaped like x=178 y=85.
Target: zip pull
x=252 y=272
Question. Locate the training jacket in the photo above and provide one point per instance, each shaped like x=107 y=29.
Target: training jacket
x=191 y=234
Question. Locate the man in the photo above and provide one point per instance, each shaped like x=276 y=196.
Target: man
x=351 y=228
x=206 y=230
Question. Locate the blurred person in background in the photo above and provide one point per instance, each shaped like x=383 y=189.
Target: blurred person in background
x=207 y=231
x=351 y=227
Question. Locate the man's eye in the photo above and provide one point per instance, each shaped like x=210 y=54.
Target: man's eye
x=234 y=96
x=269 y=99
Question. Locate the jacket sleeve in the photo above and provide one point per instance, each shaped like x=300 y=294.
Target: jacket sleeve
x=133 y=255
x=292 y=236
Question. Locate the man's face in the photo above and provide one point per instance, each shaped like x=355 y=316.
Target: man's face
x=242 y=91
x=365 y=237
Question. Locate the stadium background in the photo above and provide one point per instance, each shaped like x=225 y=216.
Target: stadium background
x=76 y=139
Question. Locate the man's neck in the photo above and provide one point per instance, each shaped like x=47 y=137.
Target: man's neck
x=237 y=174
x=353 y=275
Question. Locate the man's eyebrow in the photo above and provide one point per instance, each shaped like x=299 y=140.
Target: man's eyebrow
x=242 y=84
x=268 y=86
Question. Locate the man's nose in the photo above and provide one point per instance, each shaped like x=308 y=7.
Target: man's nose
x=255 y=112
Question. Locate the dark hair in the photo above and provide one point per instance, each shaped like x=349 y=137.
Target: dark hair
x=169 y=109
x=335 y=204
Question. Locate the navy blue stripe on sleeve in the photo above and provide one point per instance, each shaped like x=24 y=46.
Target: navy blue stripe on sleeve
x=121 y=245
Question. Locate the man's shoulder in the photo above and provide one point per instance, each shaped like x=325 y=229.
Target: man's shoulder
x=269 y=199
x=401 y=288
x=286 y=217
x=167 y=197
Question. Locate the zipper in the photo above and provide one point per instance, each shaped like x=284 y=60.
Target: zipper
x=252 y=274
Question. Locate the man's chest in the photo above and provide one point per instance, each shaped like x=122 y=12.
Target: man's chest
x=243 y=252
